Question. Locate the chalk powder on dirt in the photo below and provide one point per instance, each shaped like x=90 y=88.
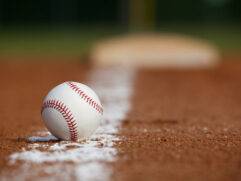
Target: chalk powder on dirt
x=86 y=160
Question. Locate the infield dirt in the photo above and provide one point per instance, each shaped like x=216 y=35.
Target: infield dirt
x=24 y=85
x=183 y=125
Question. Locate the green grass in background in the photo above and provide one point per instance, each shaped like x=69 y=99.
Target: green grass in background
x=50 y=41
x=78 y=40
x=226 y=37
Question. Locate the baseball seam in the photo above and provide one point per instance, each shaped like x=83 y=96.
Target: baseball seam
x=85 y=97
x=67 y=115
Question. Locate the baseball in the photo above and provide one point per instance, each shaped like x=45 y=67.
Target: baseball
x=72 y=111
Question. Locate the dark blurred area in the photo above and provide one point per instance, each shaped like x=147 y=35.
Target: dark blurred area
x=73 y=26
x=118 y=12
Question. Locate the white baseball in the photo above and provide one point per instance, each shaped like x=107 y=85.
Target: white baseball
x=72 y=111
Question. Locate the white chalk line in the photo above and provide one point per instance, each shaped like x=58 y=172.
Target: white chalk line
x=87 y=160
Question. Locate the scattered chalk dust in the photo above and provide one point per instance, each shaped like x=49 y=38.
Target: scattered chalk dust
x=46 y=158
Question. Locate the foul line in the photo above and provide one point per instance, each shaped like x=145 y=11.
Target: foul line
x=87 y=160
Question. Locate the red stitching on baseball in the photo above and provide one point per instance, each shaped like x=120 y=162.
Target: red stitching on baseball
x=67 y=115
x=85 y=97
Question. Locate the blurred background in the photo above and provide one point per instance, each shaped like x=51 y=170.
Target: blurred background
x=71 y=27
